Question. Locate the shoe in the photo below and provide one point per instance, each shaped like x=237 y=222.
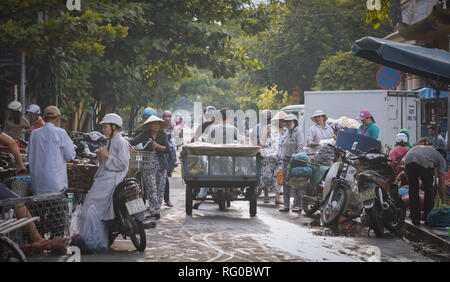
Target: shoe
x=155 y=216
x=299 y=210
x=196 y=205
x=285 y=209
x=169 y=204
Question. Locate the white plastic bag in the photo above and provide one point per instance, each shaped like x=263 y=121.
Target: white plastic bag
x=94 y=231
x=88 y=231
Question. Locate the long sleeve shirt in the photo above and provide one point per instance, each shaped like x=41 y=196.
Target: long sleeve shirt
x=293 y=143
x=49 y=149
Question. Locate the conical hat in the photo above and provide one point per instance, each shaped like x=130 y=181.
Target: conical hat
x=154 y=118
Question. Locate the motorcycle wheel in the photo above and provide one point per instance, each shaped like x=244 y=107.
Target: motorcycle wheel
x=331 y=212
x=138 y=237
x=375 y=219
x=396 y=221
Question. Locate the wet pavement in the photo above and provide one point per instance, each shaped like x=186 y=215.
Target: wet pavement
x=211 y=235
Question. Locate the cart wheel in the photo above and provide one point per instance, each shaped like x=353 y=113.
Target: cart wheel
x=253 y=201
x=221 y=199
x=188 y=199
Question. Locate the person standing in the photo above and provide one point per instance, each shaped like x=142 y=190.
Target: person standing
x=223 y=133
x=155 y=144
x=48 y=151
x=319 y=131
x=264 y=121
x=368 y=126
x=15 y=121
x=292 y=144
x=171 y=155
x=421 y=162
x=271 y=139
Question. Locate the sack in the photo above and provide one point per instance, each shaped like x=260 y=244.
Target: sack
x=298 y=163
x=439 y=217
x=88 y=231
x=304 y=171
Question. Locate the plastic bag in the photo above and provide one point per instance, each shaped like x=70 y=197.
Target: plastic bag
x=439 y=217
x=88 y=231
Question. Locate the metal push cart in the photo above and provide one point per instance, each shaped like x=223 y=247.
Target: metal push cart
x=222 y=167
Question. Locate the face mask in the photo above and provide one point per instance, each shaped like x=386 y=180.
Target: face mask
x=291 y=126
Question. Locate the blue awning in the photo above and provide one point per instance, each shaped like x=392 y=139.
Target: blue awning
x=429 y=63
x=427 y=93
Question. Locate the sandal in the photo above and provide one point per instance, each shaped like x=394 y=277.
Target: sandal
x=266 y=201
x=278 y=202
x=284 y=209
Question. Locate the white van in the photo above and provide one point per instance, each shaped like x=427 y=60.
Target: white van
x=299 y=111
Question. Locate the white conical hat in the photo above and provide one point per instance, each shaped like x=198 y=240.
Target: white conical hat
x=154 y=118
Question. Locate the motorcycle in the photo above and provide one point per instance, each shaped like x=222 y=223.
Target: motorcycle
x=338 y=185
x=86 y=144
x=130 y=214
x=312 y=192
x=383 y=206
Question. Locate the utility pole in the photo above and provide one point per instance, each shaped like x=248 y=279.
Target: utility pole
x=22 y=80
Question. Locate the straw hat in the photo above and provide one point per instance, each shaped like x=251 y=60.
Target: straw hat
x=154 y=119
x=279 y=116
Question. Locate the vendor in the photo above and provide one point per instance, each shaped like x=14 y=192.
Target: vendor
x=319 y=131
x=368 y=126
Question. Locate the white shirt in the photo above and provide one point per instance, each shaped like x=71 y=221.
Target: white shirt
x=317 y=133
x=49 y=149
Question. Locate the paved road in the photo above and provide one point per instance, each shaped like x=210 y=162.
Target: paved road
x=211 y=235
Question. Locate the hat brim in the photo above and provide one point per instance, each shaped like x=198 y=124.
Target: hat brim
x=361 y=118
x=312 y=118
x=163 y=124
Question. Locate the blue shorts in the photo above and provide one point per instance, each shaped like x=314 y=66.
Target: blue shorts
x=6 y=193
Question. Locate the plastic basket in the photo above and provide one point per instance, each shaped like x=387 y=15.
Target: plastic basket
x=141 y=159
x=51 y=209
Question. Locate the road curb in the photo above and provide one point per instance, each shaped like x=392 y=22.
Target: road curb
x=421 y=233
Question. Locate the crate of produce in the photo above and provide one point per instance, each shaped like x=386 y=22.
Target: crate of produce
x=81 y=176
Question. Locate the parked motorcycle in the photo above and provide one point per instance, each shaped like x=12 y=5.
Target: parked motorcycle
x=130 y=212
x=383 y=206
x=338 y=186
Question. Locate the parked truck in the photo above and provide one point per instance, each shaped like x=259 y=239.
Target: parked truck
x=392 y=110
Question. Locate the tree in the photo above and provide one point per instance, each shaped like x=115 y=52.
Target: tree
x=308 y=31
x=124 y=54
x=271 y=98
x=344 y=71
